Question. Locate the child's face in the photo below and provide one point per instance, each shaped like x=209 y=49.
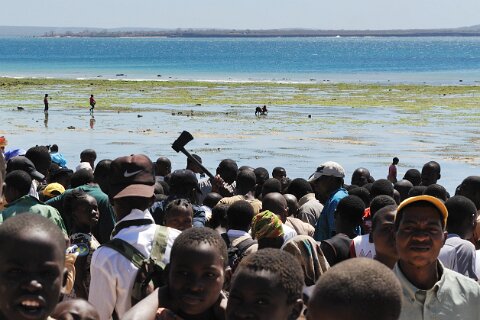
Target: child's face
x=195 y=279
x=31 y=275
x=258 y=295
x=75 y=310
x=85 y=213
x=179 y=218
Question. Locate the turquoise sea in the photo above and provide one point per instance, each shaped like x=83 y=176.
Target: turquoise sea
x=435 y=60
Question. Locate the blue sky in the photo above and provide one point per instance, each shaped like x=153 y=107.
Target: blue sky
x=242 y=14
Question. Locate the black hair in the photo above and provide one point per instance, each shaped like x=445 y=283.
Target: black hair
x=461 y=210
x=362 y=193
x=381 y=186
x=191 y=162
x=437 y=191
x=360 y=289
x=102 y=169
x=19 y=180
x=87 y=154
x=178 y=203
x=379 y=202
x=416 y=191
x=228 y=169
x=246 y=181
x=285 y=183
x=381 y=212
x=403 y=187
x=299 y=187
x=40 y=156
x=368 y=186
x=271 y=185
x=219 y=216
x=71 y=199
x=54 y=148
x=282 y=265
x=193 y=237
x=262 y=175
x=211 y=199
x=81 y=177
x=351 y=209
x=420 y=204
x=395 y=160
x=414 y=176
x=278 y=170
x=240 y=215
x=27 y=223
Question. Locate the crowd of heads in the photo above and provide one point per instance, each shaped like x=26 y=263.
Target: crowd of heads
x=285 y=277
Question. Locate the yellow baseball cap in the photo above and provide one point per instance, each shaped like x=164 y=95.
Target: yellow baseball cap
x=53 y=189
x=435 y=201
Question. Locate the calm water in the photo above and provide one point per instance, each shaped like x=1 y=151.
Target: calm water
x=433 y=60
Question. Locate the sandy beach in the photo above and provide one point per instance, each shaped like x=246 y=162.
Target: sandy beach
x=354 y=124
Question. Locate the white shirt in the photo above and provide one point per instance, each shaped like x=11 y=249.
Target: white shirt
x=288 y=232
x=363 y=247
x=112 y=275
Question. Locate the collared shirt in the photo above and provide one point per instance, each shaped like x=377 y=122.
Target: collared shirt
x=462 y=252
x=113 y=275
x=453 y=297
x=309 y=209
x=234 y=234
x=325 y=228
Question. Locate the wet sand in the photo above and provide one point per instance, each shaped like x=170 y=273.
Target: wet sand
x=363 y=126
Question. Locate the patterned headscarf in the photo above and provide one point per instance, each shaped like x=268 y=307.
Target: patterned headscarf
x=266 y=224
x=311 y=258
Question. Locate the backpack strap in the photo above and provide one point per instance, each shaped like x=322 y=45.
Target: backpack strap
x=226 y=239
x=159 y=245
x=127 y=250
x=244 y=245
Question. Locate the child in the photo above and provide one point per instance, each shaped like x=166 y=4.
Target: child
x=83 y=211
x=356 y=289
x=76 y=309
x=266 y=285
x=179 y=214
x=195 y=278
x=32 y=267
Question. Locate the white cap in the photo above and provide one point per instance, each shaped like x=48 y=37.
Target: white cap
x=84 y=165
x=329 y=168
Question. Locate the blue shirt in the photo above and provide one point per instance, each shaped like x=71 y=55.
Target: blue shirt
x=325 y=228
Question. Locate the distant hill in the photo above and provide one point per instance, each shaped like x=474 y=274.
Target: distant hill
x=6 y=31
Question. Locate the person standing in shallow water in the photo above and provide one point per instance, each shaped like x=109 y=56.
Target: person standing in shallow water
x=45 y=103
x=392 y=171
x=92 y=103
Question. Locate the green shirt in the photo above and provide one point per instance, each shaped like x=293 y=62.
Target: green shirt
x=454 y=296
x=29 y=204
x=106 y=220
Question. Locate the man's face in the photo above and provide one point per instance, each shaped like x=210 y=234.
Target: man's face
x=384 y=235
x=420 y=236
x=31 y=276
x=322 y=186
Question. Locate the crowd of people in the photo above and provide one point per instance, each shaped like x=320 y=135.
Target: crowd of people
x=129 y=238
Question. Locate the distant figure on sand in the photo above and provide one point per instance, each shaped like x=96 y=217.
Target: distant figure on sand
x=92 y=103
x=261 y=111
x=392 y=171
x=45 y=102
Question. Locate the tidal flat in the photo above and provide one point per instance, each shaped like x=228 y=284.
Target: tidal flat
x=355 y=124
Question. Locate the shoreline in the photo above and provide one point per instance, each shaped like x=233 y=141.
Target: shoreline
x=144 y=95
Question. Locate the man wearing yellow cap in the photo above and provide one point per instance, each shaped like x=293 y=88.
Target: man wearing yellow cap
x=430 y=291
